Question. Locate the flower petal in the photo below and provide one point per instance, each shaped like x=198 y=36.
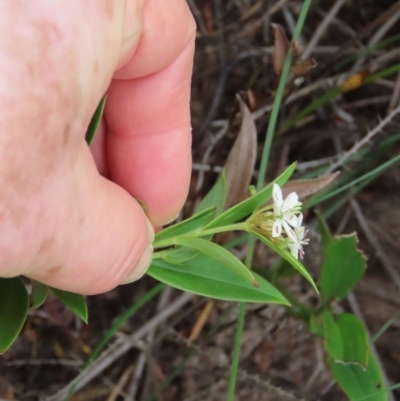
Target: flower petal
x=290 y=233
x=277 y=194
x=277 y=228
x=294 y=250
x=290 y=202
x=291 y=218
x=299 y=219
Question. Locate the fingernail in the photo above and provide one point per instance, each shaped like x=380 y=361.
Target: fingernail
x=170 y=221
x=141 y=267
x=150 y=231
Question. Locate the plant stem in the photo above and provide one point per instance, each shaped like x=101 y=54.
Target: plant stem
x=202 y=233
x=278 y=100
x=260 y=184
x=236 y=352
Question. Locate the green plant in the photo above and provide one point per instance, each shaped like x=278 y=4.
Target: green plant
x=186 y=258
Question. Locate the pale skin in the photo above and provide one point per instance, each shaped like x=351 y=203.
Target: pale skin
x=68 y=214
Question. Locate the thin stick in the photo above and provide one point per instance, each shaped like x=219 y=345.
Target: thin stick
x=395 y=95
x=141 y=362
x=364 y=141
x=322 y=28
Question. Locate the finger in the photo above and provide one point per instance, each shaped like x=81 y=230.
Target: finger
x=105 y=237
x=149 y=133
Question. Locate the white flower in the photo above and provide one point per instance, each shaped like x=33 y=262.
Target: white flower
x=297 y=240
x=284 y=211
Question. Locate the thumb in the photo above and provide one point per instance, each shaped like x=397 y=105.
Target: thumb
x=100 y=236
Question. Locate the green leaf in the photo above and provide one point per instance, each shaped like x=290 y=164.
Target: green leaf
x=288 y=257
x=346 y=340
x=249 y=205
x=95 y=121
x=315 y=327
x=360 y=384
x=220 y=254
x=215 y=197
x=75 y=302
x=208 y=277
x=343 y=267
x=193 y=223
x=178 y=255
x=39 y=294
x=14 y=302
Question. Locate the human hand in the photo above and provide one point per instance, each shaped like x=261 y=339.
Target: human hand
x=63 y=223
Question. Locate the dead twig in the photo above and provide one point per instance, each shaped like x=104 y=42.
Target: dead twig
x=322 y=29
x=141 y=363
x=363 y=141
x=395 y=96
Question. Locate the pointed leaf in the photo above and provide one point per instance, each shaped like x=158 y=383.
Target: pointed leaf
x=193 y=223
x=249 y=205
x=14 y=302
x=288 y=257
x=39 y=294
x=241 y=161
x=220 y=254
x=343 y=267
x=345 y=339
x=208 y=277
x=360 y=384
x=95 y=121
x=216 y=197
x=75 y=302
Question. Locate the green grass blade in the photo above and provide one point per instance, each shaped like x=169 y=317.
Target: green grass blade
x=95 y=121
x=236 y=352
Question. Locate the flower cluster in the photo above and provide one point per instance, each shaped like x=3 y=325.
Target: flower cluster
x=282 y=222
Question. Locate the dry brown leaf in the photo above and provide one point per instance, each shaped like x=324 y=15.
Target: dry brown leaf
x=281 y=47
x=305 y=188
x=297 y=48
x=301 y=68
x=240 y=164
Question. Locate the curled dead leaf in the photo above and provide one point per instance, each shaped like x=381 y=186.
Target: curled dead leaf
x=308 y=187
x=297 y=48
x=302 y=67
x=281 y=47
x=240 y=164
